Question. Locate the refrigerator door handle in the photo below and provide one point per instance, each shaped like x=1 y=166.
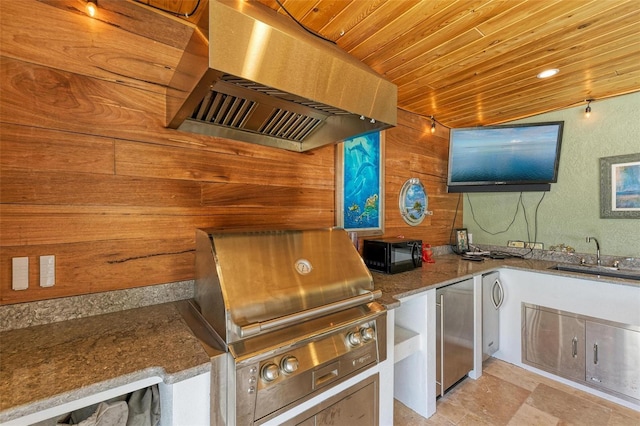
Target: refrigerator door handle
x=497 y=285
x=442 y=345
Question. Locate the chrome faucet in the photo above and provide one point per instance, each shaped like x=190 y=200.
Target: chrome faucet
x=597 y=249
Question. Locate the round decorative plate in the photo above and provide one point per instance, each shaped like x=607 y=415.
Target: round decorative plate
x=413 y=202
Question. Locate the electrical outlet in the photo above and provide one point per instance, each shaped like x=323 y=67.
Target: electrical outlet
x=522 y=244
x=516 y=244
x=535 y=246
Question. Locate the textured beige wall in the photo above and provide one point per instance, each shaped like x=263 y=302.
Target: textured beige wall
x=571 y=210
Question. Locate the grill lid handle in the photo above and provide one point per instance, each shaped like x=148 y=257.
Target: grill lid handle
x=257 y=327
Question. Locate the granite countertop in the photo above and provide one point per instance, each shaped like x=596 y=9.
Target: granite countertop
x=48 y=365
x=450 y=268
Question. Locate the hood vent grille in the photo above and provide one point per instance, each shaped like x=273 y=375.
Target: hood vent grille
x=232 y=103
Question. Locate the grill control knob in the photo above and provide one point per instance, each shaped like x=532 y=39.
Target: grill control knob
x=269 y=372
x=289 y=364
x=368 y=333
x=354 y=338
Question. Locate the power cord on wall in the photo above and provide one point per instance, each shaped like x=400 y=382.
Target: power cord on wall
x=535 y=224
x=302 y=25
x=519 y=203
x=454 y=247
x=498 y=232
x=185 y=15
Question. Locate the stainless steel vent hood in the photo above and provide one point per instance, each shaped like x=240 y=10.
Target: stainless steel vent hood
x=253 y=75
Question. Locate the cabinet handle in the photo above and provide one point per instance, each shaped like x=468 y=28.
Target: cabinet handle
x=442 y=345
x=595 y=353
x=574 y=347
x=415 y=254
x=497 y=284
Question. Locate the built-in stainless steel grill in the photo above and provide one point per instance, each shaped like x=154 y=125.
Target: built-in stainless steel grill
x=296 y=312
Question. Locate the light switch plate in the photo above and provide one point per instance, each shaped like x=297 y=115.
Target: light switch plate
x=20 y=273
x=47 y=271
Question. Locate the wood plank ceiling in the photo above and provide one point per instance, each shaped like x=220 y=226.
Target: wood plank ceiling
x=475 y=62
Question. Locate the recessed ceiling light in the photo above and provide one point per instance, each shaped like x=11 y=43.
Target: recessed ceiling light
x=548 y=73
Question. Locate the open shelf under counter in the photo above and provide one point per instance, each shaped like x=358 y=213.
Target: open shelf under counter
x=406 y=343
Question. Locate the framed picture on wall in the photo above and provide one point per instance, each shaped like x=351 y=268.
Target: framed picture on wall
x=620 y=187
x=360 y=184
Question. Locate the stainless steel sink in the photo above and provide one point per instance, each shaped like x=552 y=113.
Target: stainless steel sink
x=605 y=271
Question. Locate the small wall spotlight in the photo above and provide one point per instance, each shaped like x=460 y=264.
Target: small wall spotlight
x=587 y=111
x=433 y=124
x=91 y=8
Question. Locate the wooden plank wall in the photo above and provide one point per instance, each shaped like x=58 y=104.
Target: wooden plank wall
x=412 y=151
x=89 y=173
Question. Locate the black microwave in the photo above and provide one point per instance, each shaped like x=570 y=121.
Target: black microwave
x=392 y=255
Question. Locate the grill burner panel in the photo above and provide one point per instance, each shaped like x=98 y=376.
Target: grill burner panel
x=323 y=362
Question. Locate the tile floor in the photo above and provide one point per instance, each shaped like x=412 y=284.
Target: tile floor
x=509 y=395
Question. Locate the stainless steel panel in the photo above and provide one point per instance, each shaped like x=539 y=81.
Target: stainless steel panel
x=612 y=361
x=356 y=406
x=287 y=320
x=598 y=353
x=273 y=51
x=492 y=297
x=553 y=341
x=221 y=363
x=597 y=270
x=454 y=336
x=307 y=331
x=208 y=292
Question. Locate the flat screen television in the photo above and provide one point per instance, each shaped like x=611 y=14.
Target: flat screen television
x=506 y=158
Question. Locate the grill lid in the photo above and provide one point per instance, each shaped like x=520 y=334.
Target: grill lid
x=251 y=282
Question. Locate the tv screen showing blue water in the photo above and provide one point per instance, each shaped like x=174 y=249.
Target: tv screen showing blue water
x=506 y=154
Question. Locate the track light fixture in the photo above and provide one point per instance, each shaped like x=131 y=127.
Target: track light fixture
x=433 y=124
x=91 y=8
x=587 y=111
